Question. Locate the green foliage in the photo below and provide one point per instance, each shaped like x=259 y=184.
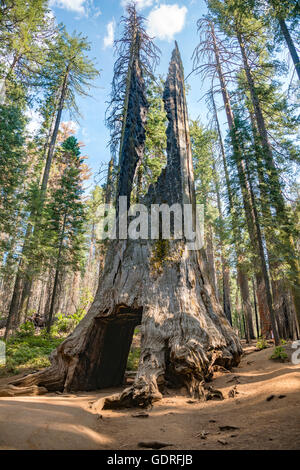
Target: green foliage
x=203 y=141
x=156 y=140
x=28 y=351
x=67 y=63
x=12 y=167
x=26 y=330
x=63 y=229
x=279 y=352
x=67 y=323
x=133 y=359
x=261 y=343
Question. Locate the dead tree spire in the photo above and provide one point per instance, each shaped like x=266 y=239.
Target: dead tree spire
x=179 y=153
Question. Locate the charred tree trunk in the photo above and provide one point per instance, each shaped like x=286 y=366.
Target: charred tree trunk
x=158 y=284
x=109 y=182
x=134 y=133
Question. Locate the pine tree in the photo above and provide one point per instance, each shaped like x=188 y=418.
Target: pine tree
x=64 y=225
x=68 y=73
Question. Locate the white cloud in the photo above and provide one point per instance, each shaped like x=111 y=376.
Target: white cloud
x=110 y=36
x=140 y=4
x=97 y=13
x=73 y=5
x=35 y=121
x=165 y=21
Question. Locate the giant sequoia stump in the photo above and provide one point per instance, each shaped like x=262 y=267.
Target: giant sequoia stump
x=157 y=284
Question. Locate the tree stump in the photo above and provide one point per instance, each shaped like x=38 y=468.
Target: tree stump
x=158 y=284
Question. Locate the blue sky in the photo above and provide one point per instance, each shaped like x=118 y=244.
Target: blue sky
x=98 y=20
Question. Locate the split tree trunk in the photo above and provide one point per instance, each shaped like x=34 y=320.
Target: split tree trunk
x=158 y=284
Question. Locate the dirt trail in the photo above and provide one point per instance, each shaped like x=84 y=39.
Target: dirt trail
x=71 y=422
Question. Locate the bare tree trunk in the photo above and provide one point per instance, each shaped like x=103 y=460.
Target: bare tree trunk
x=224 y=262
x=12 y=319
x=238 y=309
x=255 y=309
x=159 y=284
x=109 y=182
x=56 y=277
x=290 y=44
x=247 y=308
x=55 y=132
x=15 y=61
x=210 y=253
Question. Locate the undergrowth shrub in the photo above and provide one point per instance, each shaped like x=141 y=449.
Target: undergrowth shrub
x=261 y=343
x=279 y=352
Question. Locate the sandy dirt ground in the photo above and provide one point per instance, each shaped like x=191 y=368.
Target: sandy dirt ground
x=250 y=420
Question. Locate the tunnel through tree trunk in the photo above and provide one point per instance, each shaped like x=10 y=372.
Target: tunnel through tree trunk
x=104 y=360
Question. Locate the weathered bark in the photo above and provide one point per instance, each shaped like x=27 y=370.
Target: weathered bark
x=109 y=182
x=255 y=309
x=210 y=252
x=247 y=308
x=158 y=284
x=134 y=133
x=284 y=308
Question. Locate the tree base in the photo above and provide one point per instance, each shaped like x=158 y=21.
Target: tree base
x=184 y=332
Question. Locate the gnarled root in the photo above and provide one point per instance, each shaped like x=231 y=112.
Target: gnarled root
x=141 y=394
